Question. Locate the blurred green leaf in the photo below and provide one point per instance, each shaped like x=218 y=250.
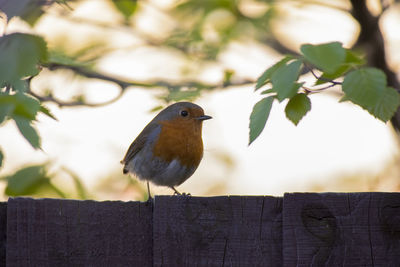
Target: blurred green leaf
x=327 y=57
x=367 y=88
x=266 y=76
x=297 y=107
x=259 y=117
x=126 y=7
x=284 y=80
x=19 y=55
x=1 y=158
x=47 y=112
x=80 y=188
x=33 y=15
x=28 y=10
x=56 y=190
x=6 y=109
x=27 y=130
x=177 y=94
x=15 y=8
x=22 y=105
x=26 y=181
x=354 y=59
x=20 y=86
x=228 y=74
x=156 y=108
x=268 y=91
x=206 y=6
x=26 y=106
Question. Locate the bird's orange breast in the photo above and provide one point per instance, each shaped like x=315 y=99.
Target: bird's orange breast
x=180 y=140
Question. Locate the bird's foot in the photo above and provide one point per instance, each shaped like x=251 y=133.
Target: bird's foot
x=149 y=201
x=176 y=193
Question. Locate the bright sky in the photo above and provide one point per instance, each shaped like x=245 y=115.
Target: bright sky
x=333 y=139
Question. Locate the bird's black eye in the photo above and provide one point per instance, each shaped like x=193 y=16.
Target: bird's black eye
x=184 y=113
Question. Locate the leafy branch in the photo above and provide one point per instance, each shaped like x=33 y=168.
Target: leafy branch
x=364 y=86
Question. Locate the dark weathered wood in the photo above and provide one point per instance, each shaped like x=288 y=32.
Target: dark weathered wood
x=3 y=233
x=357 y=229
x=53 y=232
x=217 y=231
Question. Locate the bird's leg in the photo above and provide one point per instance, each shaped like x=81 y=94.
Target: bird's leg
x=175 y=191
x=149 y=199
x=148 y=189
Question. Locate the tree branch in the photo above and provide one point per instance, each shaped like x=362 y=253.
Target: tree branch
x=372 y=42
x=94 y=75
x=123 y=84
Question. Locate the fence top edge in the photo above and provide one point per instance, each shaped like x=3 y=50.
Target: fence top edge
x=180 y=198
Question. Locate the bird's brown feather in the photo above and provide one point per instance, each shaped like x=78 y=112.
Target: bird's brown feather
x=137 y=145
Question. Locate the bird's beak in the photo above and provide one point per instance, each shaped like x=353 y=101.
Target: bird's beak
x=204 y=117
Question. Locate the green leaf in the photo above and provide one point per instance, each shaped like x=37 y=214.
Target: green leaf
x=6 y=110
x=266 y=76
x=177 y=94
x=327 y=57
x=47 y=112
x=14 y=8
x=26 y=106
x=80 y=188
x=352 y=61
x=156 y=108
x=259 y=117
x=1 y=158
x=386 y=105
x=268 y=91
x=19 y=55
x=29 y=10
x=27 y=130
x=21 y=105
x=284 y=80
x=367 y=88
x=26 y=181
x=126 y=7
x=297 y=107
x=20 y=86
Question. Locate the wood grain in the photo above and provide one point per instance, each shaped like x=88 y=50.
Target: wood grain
x=300 y=229
x=217 y=231
x=53 y=232
x=331 y=229
x=3 y=233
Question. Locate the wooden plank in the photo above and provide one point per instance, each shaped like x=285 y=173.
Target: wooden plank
x=3 y=232
x=217 y=231
x=356 y=229
x=54 y=232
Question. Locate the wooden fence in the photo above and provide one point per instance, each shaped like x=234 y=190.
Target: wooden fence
x=329 y=229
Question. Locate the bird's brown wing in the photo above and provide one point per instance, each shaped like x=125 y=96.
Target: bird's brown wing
x=139 y=143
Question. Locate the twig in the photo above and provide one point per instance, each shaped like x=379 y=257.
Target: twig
x=60 y=103
x=319 y=78
x=94 y=75
x=309 y=90
x=85 y=72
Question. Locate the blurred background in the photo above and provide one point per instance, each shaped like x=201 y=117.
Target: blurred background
x=113 y=64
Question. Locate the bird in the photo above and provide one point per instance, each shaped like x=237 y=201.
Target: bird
x=169 y=149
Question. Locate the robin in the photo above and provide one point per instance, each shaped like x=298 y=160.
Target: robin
x=169 y=149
